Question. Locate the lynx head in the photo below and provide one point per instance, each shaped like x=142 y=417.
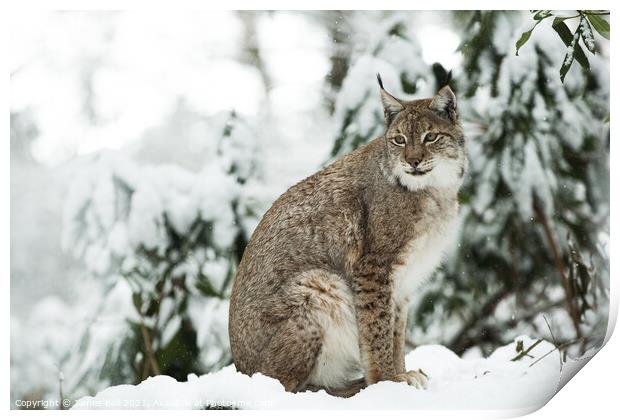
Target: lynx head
x=424 y=141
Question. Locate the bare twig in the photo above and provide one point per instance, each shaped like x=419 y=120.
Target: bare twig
x=251 y=52
x=561 y=346
x=559 y=264
x=553 y=338
x=526 y=351
x=462 y=341
x=146 y=369
x=149 y=348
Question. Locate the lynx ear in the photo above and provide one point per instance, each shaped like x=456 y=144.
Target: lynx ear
x=445 y=103
x=391 y=105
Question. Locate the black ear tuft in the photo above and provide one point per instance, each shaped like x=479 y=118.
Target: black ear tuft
x=391 y=105
x=442 y=75
x=379 y=80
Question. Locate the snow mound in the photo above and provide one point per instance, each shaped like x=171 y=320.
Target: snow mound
x=470 y=382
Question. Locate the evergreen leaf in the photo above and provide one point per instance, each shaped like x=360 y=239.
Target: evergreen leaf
x=568 y=61
x=571 y=41
x=525 y=36
x=541 y=14
x=599 y=24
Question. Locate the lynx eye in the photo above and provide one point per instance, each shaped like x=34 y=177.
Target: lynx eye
x=430 y=137
x=399 y=139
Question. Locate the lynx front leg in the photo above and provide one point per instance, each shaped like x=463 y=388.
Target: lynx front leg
x=375 y=320
x=374 y=309
x=412 y=377
x=400 y=332
x=375 y=312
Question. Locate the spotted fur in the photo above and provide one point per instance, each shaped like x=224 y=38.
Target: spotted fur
x=321 y=293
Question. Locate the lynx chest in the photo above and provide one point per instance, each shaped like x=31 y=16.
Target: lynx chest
x=422 y=255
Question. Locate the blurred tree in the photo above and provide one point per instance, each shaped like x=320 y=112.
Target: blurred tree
x=583 y=34
x=539 y=160
x=538 y=170
x=38 y=274
x=392 y=50
x=338 y=24
x=165 y=243
x=23 y=132
x=250 y=53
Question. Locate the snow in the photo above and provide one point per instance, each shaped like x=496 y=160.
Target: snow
x=118 y=206
x=211 y=319
x=45 y=344
x=528 y=165
x=570 y=50
x=471 y=382
x=285 y=60
x=586 y=34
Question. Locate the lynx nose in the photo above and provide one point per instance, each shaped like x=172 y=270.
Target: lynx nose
x=414 y=163
x=414 y=157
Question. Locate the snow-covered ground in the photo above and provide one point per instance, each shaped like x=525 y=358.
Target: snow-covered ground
x=471 y=382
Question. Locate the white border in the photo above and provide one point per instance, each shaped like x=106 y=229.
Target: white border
x=592 y=393
x=303 y=5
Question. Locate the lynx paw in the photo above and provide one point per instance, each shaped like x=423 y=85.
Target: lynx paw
x=416 y=378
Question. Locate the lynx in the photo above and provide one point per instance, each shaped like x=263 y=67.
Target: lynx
x=321 y=294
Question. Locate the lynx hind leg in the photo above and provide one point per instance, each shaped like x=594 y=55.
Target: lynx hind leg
x=291 y=354
x=338 y=363
x=309 y=348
